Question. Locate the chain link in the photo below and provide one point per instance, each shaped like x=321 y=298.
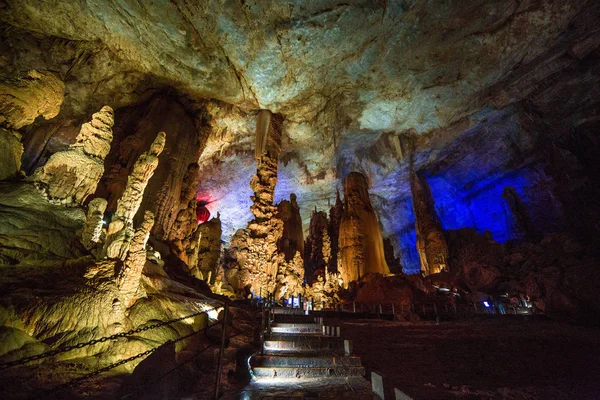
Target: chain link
x=65 y=349
x=76 y=381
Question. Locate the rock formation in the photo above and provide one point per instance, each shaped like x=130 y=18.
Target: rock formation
x=12 y=151
x=431 y=243
x=257 y=261
x=170 y=192
x=333 y=229
x=205 y=250
x=314 y=256
x=292 y=239
x=23 y=100
x=70 y=176
x=120 y=230
x=128 y=278
x=92 y=230
x=360 y=239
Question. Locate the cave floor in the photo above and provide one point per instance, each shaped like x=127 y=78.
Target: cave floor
x=488 y=358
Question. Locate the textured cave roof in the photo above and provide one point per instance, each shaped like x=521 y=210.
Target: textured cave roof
x=343 y=73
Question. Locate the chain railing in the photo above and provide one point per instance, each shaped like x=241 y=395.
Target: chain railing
x=76 y=381
x=64 y=349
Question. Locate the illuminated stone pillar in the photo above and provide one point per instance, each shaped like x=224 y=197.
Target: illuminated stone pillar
x=431 y=242
x=120 y=230
x=360 y=238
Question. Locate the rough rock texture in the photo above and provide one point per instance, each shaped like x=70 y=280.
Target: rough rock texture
x=120 y=230
x=292 y=240
x=206 y=250
x=171 y=191
x=31 y=229
x=12 y=151
x=257 y=265
x=314 y=256
x=128 y=278
x=94 y=222
x=360 y=239
x=70 y=176
x=431 y=243
x=22 y=100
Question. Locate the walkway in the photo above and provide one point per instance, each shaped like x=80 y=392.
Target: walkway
x=300 y=362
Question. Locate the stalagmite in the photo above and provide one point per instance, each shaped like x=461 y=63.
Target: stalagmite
x=431 y=243
x=128 y=278
x=120 y=230
x=70 y=176
x=360 y=241
x=206 y=249
x=256 y=261
x=314 y=255
x=333 y=229
x=92 y=230
x=292 y=239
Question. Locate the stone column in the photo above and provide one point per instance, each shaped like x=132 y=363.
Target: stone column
x=120 y=230
x=292 y=239
x=431 y=242
x=128 y=278
x=360 y=238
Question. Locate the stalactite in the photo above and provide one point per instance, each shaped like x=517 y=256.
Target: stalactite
x=120 y=230
x=263 y=122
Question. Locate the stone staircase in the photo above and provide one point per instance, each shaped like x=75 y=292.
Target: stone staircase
x=298 y=354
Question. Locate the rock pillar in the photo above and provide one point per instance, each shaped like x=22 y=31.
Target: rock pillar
x=315 y=256
x=92 y=230
x=292 y=239
x=431 y=242
x=70 y=176
x=360 y=238
x=128 y=278
x=120 y=230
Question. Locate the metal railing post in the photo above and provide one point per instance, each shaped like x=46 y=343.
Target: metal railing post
x=221 y=351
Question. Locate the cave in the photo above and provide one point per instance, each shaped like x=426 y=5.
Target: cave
x=288 y=199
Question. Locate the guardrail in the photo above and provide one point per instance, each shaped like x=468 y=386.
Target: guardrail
x=76 y=381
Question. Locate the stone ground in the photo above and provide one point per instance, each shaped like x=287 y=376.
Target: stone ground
x=487 y=358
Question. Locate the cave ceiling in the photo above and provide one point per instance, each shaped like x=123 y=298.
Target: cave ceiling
x=344 y=75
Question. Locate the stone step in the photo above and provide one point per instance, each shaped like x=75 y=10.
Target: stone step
x=299 y=361
x=295 y=325
x=296 y=319
x=308 y=329
x=288 y=311
x=303 y=343
x=295 y=373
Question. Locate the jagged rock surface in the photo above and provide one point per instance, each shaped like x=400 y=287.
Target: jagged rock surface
x=128 y=278
x=94 y=222
x=23 y=100
x=292 y=239
x=12 y=151
x=70 y=176
x=431 y=243
x=360 y=239
x=120 y=230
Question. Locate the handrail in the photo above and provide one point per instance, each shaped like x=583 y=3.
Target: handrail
x=65 y=349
